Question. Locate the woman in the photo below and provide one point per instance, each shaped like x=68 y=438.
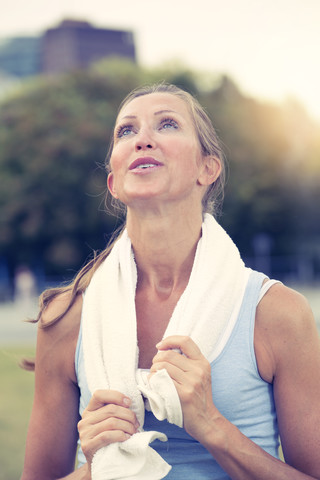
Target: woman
x=242 y=376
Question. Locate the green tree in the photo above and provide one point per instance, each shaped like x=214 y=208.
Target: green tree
x=54 y=136
x=53 y=142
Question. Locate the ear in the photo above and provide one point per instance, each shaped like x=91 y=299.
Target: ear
x=210 y=170
x=111 y=186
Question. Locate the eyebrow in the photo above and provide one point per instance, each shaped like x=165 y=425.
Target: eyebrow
x=160 y=112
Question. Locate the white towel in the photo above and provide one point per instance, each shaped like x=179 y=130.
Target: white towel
x=206 y=311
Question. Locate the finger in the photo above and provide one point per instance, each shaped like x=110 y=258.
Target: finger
x=89 y=427
x=187 y=346
x=113 y=436
x=108 y=411
x=172 y=357
x=111 y=424
x=104 y=397
x=91 y=445
x=175 y=372
x=189 y=384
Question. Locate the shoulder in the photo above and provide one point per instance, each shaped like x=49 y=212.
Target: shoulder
x=56 y=343
x=284 y=313
x=284 y=324
x=58 y=305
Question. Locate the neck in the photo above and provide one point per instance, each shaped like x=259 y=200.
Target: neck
x=164 y=249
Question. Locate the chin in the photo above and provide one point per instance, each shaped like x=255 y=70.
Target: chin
x=142 y=194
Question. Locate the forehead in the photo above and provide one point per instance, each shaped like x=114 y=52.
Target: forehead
x=153 y=103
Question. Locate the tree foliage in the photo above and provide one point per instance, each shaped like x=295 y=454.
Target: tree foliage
x=54 y=137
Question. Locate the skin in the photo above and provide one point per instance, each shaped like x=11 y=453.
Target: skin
x=286 y=341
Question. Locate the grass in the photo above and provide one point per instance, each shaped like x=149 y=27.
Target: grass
x=15 y=407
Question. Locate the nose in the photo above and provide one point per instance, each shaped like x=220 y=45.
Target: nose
x=141 y=146
x=144 y=140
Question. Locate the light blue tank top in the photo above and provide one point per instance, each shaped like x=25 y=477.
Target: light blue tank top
x=238 y=392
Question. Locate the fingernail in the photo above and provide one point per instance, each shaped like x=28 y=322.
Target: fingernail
x=127 y=401
x=158 y=344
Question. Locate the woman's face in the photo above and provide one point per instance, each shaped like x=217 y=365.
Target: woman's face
x=156 y=154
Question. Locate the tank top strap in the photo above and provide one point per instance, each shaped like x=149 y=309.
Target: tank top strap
x=266 y=287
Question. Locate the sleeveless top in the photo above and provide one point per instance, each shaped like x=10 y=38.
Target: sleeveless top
x=238 y=391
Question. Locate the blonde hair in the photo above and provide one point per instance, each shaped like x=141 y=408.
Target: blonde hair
x=212 y=199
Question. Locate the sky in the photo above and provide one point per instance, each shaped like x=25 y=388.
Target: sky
x=270 y=48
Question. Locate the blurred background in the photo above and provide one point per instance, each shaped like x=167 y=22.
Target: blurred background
x=64 y=68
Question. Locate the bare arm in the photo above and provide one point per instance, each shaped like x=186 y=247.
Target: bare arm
x=293 y=344
x=290 y=357
x=52 y=434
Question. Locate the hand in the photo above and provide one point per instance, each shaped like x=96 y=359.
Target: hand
x=107 y=419
x=191 y=374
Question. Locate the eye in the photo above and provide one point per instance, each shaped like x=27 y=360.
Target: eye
x=168 y=123
x=124 y=130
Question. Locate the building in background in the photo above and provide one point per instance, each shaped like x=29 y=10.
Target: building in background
x=20 y=56
x=75 y=44
x=69 y=46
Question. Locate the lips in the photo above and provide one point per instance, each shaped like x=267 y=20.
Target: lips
x=144 y=163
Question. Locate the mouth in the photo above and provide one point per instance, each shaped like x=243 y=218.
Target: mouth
x=144 y=163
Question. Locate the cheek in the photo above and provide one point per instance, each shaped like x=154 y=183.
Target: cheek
x=120 y=153
x=117 y=163
x=189 y=157
x=114 y=161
